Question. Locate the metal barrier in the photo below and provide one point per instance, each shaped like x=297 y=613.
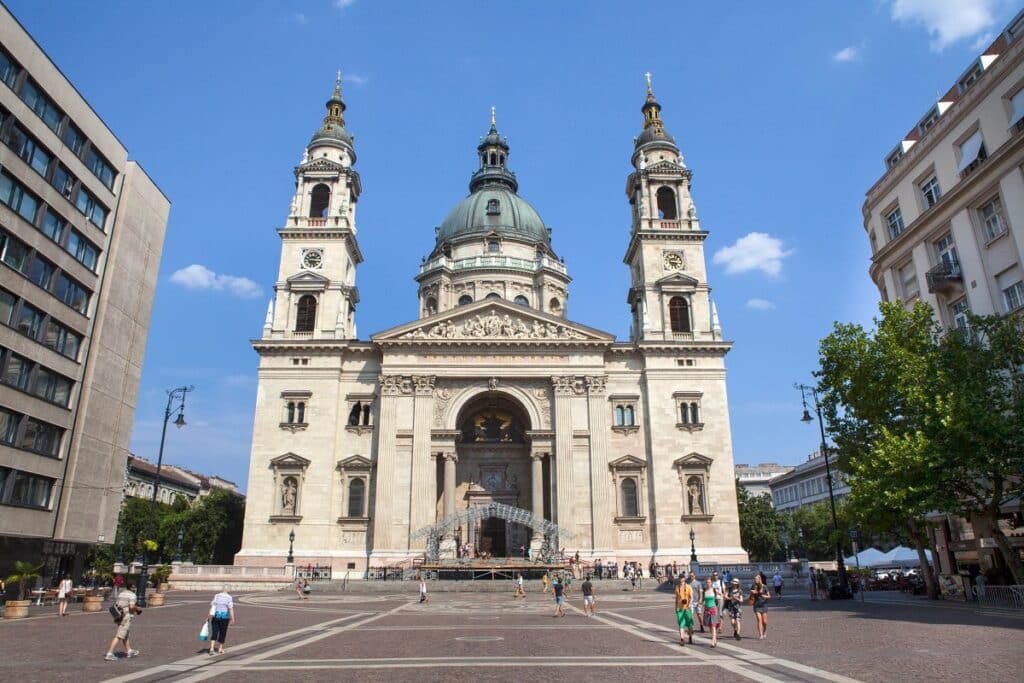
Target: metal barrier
x=1011 y=597
x=313 y=573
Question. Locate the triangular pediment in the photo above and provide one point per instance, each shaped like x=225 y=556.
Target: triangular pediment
x=307 y=281
x=321 y=165
x=693 y=461
x=354 y=463
x=678 y=280
x=665 y=167
x=493 y=320
x=627 y=462
x=289 y=460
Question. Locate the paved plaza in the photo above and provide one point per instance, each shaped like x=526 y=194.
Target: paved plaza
x=492 y=637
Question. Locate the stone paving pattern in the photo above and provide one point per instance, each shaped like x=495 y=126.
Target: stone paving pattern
x=492 y=637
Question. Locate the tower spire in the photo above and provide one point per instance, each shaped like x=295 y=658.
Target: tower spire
x=494 y=123
x=335 y=106
x=650 y=91
x=337 y=85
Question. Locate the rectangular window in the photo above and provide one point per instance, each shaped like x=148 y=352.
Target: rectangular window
x=8 y=428
x=894 y=221
x=41 y=105
x=945 y=250
x=930 y=119
x=15 y=196
x=993 y=220
x=972 y=153
x=63 y=181
x=9 y=69
x=930 y=192
x=73 y=138
x=16 y=254
x=52 y=387
x=970 y=77
x=29 y=490
x=40 y=271
x=62 y=340
x=41 y=437
x=53 y=226
x=958 y=311
x=1013 y=296
x=29 y=321
x=16 y=372
x=7 y=302
x=908 y=280
x=82 y=249
x=91 y=208
x=29 y=150
x=73 y=294
x=100 y=167
x=1017 y=108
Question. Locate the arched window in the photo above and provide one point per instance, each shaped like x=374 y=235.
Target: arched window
x=493 y=295
x=694 y=413
x=679 y=314
x=366 y=414
x=320 y=201
x=554 y=305
x=431 y=306
x=465 y=299
x=667 y=204
x=493 y=207
x=521 y=300
x=353 y=416
x=629 y=419
x=620 y=416
x=356 y=497
x=494 y=159
x=630 y=504
x=305 y=318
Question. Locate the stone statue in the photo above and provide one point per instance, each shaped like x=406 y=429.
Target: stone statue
x=289 y=490
x=696 y=499
x=641 y=163
x=692 y=212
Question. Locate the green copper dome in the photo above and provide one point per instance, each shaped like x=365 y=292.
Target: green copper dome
x=493 y=208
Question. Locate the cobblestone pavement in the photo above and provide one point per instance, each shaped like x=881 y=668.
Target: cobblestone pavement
x=492 y=637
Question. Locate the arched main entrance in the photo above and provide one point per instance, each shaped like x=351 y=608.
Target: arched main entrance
x=493 y=467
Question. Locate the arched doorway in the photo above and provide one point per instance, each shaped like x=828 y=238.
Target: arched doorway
x=493 y=467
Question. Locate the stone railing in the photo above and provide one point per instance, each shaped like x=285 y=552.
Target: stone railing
x=494 y=261
x=211 y=570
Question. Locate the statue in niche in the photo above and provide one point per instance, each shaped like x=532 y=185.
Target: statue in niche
x=289 y=493
x=696 y=496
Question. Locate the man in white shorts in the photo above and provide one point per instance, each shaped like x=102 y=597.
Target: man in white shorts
x=588 y=597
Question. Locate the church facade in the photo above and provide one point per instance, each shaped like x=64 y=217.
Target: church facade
x=492 y=398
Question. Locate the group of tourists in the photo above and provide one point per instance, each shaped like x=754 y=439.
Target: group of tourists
x=707 y=604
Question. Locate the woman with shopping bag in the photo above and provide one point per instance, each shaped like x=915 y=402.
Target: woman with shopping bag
x=222 y=613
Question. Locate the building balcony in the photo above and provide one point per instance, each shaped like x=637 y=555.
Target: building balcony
x=943 y=276
x=494 y=261
x=324 y=222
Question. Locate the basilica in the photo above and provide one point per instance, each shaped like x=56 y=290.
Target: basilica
x=492 y=424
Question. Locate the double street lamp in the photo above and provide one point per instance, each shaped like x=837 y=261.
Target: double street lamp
x=844 y=581
x=172 y=396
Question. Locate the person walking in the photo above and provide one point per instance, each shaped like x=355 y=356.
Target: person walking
x=587 y=588
x=698 y=599
x=599 y=568
x=712 y=618
x=222 y=614
x=734 y=606
x=812 y=585
x=520 y=591
x=423 y=589
x=126 y=600
x=684 y=612
x=759 y=597
x=64 y=590
x=716 y=583
x=777 y=583
x=544 y=581
x=559 y=591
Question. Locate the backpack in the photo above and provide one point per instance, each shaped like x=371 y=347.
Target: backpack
x=116 y=612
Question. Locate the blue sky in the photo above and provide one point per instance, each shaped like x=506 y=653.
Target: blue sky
x=784 y=112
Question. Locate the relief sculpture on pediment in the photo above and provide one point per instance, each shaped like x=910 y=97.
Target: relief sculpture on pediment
x=493 y=325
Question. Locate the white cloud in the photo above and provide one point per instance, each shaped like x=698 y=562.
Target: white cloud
x=196 y=276
x=760 y=304
x=948 y=21
x=342 y=4
x=847 y=54
x=355 y=79
x=753 y=251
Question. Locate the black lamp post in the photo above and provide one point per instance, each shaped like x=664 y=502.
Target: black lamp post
x=291 y=543
x=693 y=548
x=172 y=396
x=844 y=581
x=181 y=537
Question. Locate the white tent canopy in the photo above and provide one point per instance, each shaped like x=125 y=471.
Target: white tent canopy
x=865 y=558
x=901 y=556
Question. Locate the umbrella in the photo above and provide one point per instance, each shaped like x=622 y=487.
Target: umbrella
x=901 y=556
x=865 y=558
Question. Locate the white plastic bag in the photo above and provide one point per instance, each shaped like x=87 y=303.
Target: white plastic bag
x=204 y=633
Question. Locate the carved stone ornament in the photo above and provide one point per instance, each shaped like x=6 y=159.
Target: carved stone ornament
x=395 y=385
x=567 y=385
x=597 y=384
x=494 y=325
x=424 y=384
x=492 y=383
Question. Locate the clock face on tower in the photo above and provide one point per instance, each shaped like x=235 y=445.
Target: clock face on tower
x=313 y=259
x=673 y=261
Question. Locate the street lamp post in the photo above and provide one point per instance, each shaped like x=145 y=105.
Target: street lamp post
x=172 y=396
x=844 y=581
x=693 y=548
x=291 y=543
x=181 y=537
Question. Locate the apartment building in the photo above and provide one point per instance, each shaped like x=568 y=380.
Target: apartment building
x=755 y=478
x=81 y=233
x=807 y=484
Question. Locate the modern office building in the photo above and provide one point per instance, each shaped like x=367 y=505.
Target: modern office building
x=81 y=233
x=755 y=478
x=946 y=225
x=807 y=484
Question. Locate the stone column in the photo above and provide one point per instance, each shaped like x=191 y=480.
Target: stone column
x=424 y=475
x=601 y=519
x=565 y=388
x=537 y=490
x=450 y=459
x=391 y=387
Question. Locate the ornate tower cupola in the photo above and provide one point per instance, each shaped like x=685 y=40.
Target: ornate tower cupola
x=669 y=292
x=493 y=151
x=316 y=294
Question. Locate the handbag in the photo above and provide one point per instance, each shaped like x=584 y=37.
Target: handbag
x=116 y=612
x=204 y=632
x=752 y=599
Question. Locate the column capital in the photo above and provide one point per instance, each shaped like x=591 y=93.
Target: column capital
x=424 y=384
x=597 y=385
x=538 y=456
x=450 y=456
x=395 y=385
x=567 y=385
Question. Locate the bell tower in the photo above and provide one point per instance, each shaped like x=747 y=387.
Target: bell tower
x=669 y=296
x=315 y=292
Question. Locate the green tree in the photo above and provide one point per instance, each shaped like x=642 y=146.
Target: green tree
x=811 y=532
x=760 y=525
